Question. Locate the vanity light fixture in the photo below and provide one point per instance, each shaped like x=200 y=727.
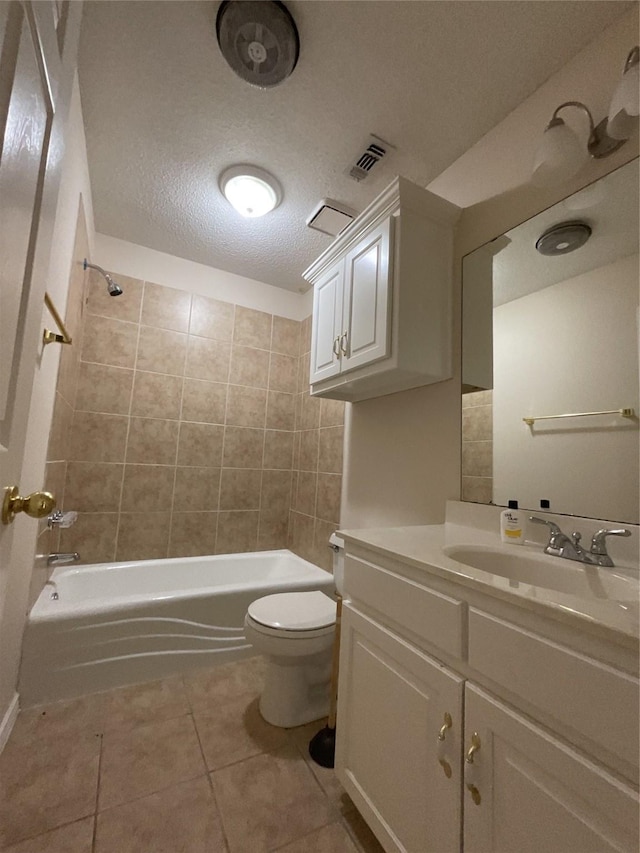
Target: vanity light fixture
x=561 y=153
x=250 y=190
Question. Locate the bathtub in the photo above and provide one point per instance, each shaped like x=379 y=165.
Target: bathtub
x=107 y=625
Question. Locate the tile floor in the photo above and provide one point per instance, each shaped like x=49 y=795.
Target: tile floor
x=184 y=765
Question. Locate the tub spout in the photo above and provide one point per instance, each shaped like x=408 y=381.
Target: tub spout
x=61 y=559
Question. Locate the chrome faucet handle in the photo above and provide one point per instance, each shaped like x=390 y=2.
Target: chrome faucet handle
x=554 y=530
x=599 y=543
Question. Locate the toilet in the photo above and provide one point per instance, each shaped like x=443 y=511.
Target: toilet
x=295 y=632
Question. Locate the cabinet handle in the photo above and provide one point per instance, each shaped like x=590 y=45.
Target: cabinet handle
x=344 y=341
x=470 y=769
x=442 y=734
x=336 y=346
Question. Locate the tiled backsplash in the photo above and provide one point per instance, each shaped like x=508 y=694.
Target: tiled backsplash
x=477 y=446
x=192 y=431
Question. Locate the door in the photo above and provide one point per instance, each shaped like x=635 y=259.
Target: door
x=366 y=314
x=327 y=324
x=392 y=705
x=534 y=793
x=38 y=44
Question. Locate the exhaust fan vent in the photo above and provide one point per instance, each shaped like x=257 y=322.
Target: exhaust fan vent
x=373 y=153
x=331 y=217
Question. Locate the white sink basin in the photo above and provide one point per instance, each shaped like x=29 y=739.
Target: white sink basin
x=537 y=569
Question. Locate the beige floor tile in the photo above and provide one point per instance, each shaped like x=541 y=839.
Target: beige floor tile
x=73 y=838
x=329 y=839
x=180 y=819
x=269 y=800
x=148 y=758
x=234 y=731
x=209 y=689
x=326 y=776
x=144 y=703
x=363 y=838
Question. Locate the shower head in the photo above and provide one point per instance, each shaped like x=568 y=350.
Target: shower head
x=113 y=288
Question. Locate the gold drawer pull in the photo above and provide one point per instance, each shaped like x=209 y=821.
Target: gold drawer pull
x=442 y=734
x=471 y=770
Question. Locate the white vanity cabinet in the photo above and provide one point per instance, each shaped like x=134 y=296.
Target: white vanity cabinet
x=382 y=298
x=551 y=729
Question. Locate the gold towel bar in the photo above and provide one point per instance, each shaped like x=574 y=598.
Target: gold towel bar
x=624 y=413
x=49 y=337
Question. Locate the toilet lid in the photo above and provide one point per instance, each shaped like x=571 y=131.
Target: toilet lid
x=294 y=611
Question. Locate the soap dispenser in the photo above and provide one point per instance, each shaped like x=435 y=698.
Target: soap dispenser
x=512 y=524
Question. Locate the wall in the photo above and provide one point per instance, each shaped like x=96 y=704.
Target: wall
x=584 y=466
x=477 y=447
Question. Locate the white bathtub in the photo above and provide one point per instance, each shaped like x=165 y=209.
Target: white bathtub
x=106 y=625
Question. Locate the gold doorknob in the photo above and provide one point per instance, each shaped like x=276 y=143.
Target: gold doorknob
x=37 y=504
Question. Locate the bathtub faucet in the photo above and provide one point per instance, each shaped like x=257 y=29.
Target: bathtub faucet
x=61 y=559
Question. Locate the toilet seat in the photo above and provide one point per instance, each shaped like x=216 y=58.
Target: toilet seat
x=291 y=614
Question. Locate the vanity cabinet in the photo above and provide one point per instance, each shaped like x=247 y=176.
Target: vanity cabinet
x=551 y=733
x=382 y=298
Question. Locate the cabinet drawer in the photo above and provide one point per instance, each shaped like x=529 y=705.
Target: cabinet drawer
x=430 y=615
x=591 y=698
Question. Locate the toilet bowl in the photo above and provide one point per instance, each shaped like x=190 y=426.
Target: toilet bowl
x=294 y=630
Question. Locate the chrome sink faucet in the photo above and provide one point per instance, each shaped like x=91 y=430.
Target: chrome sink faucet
x=569 y=547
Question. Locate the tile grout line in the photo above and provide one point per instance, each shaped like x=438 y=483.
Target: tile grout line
x=95 y=814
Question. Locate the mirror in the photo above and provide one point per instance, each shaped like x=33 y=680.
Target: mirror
x=550 y=358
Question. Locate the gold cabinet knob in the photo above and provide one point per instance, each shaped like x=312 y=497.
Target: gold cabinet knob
x=36 y=505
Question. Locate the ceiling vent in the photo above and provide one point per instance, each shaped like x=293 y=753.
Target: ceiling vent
x=331 y=217
x=374 y=151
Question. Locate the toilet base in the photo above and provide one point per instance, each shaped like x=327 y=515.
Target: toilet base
x=296 y=694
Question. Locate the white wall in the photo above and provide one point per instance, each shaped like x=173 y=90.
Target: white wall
x=588 y=361
x=119 y=256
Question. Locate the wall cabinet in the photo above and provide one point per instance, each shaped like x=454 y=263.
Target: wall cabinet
x=437 y=759
x=382 y=298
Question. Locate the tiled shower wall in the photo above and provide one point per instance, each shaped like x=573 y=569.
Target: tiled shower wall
x=180 y=440
x=477 y=447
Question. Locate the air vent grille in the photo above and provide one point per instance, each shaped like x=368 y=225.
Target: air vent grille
x=369 y=158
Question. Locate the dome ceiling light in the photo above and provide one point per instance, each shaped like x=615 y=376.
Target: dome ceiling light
x=250 y=190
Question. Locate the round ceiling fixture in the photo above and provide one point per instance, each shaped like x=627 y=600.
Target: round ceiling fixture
x=563 y=238
x=251 y=190
x=259 y=39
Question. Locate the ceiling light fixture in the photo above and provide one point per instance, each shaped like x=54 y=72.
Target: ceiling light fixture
x=561 y=153
x=251 y=190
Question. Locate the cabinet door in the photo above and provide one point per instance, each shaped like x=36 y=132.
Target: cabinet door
x=537 y=794
x=327 y=324
x=391 y=706
x=366 y=317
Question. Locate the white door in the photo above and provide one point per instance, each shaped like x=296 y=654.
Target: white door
x=38 y=45
x=366 y=314
x=391 y=707
x=327 y=329
x=537 y=794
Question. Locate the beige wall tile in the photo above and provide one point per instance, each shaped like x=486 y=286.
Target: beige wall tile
x=252 y=328
x=283 y=373
x=211 y=318
x=240 y=488
x=331 y=413
x=330 y=450
x=147 y=488
x=328 y=505
x=278 y=449
x=156 y=395
x=309 y=411
x=477 y=398
x=306 y=494
x=93 y=536
x=309 y=450
x=305 y=335
x=59 y=433
x=281 y=409
x=246 y=406
x=477 y=489
x=69 y=367
x=93 y=486
x=196 y=490
x=96 y=437
x=304 y=366
x=477 y=423
x=237 y=532
x=143 y=535
x=193 y=534
x=249 y=366
x=55 y=474
x=477 y=458
x=161 y=351
x=243 y=447
x=205 y=402
x=152 y=441
x=124 y=307
x=165 y=307
x=200 y=445
x=297 y=441
x=273 y=530
x=108 y=341
x=301 y=529
x=322 y=554
x=104 y=389
x=276 y=490
x=285 y=336
x=207 y=359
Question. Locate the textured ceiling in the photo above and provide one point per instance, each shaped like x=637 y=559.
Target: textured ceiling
x=165 y=114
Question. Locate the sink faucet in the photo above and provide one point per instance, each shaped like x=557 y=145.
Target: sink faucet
x=62 y=559
x=569 y=547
